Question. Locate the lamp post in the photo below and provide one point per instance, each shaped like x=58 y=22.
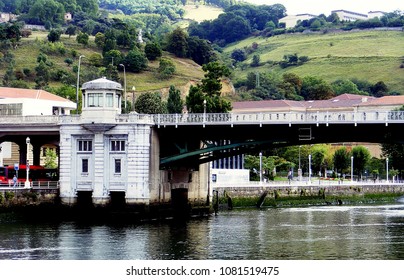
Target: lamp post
x=387 y=170
x=133 y=98
x=310 y=168
x=299 y=171
x=27 y=184
x=204 y=112
x=260 y=154
x=352 y=168
x=78 y=83
x=124 y=83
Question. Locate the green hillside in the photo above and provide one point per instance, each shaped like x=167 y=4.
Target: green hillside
x=366 y=55
x=25 y=56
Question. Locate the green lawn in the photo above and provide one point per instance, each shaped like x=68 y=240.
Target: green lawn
x=368 y=55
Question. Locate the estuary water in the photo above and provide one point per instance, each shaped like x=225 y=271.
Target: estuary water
x=307 y=233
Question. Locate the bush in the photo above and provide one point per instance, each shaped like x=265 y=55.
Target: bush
x=9 y=196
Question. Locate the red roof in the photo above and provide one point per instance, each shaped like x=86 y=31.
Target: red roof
x=6 y=92
x=341 y=101
x=386 y=100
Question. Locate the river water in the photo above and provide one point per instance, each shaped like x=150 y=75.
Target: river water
x=308 y=233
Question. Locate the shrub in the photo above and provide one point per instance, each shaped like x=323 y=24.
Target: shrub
x=9 y=196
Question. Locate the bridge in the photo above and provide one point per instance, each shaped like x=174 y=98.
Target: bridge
x=193 y=139
x=158 y=154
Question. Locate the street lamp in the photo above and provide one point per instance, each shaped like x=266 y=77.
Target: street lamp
x=27 y=184
x=352 y=168
x=299 y=171
x=310 y=168
x=124 y=83
x=133 y=98
x=204 y=112
x=78 y=83
x=260 y=154
x=387 y=170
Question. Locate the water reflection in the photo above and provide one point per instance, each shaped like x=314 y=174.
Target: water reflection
x=335 y=232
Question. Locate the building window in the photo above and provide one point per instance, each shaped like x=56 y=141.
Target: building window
x=109 y=100
x=95 y=100
x=117 y=166
x=118 y=145
x=84 y=165
x=85 y=145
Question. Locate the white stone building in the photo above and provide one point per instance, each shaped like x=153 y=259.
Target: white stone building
x=291 y=20
x=26 y=102
x=106 y=156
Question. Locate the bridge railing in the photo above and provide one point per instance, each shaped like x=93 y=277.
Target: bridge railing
x=290 y=118
x=53 y=119
x=296 y=117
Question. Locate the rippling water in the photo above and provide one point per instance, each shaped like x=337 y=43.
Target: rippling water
x=335 y=232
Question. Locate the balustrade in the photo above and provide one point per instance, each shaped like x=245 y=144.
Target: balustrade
x=340 y=117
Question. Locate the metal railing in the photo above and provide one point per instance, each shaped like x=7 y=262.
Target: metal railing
x=341 y=117
x=319 y=117
x=33 y=185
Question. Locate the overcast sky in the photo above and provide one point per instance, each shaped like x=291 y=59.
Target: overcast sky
x=317 y=7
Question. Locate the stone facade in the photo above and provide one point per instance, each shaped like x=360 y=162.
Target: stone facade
x=104 y=153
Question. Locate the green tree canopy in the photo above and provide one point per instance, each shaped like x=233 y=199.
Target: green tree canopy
x=152 y=50
x=174 y=101
x=361 y=157
x=341 y=159
x=177 y=42
x=314 y=88
x=150 y=103
x=166 y=68
x=135 y=61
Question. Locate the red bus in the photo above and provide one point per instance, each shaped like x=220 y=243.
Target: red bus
x=36 y=173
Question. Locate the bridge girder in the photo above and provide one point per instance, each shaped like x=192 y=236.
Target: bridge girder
x=253 y=138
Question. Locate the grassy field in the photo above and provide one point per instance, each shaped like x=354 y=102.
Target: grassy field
x=367 y=55
x=200 y=13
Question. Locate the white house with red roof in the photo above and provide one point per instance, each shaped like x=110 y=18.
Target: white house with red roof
x=24 y=102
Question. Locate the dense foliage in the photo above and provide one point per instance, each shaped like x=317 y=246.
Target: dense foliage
x=237 y=23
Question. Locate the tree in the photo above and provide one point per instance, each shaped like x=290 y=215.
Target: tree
x=174 y=101
x=239 y=55
x=152 y=50
x=255 y=61
x=150 y=103
x=314 y=88
x=9 y=76
x=50 y=158
x=42 y=74
x=54 y=35
x=71 y=30
x=341 y=160
x=88 y=6
x=82 y=38
x=200 y=50
x=194 y=100
x=114 y=57
x=345 y=86
x=319 y=156
x=214 y=71
x=166 y=68
x=48 y=12
x=177 y=42
x=379 y=89
x=99 y=40
x=135 y=61
x=111 y=72
x=361 y=157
